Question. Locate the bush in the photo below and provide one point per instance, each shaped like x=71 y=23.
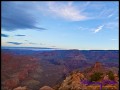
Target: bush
x=111 y=75
x=96 y=76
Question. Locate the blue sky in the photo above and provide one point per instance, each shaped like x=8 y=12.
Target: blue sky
x=83 y=25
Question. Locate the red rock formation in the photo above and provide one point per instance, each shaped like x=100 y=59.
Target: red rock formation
x=46 y=88
x=22 y=75
x=11 y=83
x=20 y=88
x=72 y=82
x=97 y=65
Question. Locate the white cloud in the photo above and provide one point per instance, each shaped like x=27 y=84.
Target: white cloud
x=98 y=29
x=66 y=11
x=106 y=12
x=72 y=11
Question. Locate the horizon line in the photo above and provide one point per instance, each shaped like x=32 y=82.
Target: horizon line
x=2 y=47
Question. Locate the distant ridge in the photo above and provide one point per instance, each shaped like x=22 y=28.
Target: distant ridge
x=49 y=48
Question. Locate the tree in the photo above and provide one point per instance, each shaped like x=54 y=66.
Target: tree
x=96 y=76
x=111 y=75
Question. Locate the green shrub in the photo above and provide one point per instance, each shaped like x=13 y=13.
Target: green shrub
x=111 y=75
x=96 y=76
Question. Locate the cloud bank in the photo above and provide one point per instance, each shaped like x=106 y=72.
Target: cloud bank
x=20 y=35
x=4 y=35
x=15 y=43
x=15 y=16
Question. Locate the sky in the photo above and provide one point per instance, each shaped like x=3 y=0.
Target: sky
x=83 y=25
